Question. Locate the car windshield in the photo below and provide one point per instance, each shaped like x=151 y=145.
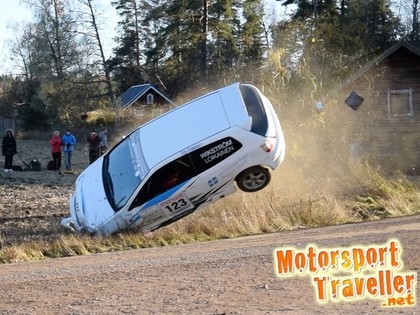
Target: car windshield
x=124 y=169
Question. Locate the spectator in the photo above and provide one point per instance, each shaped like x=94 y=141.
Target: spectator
x=55 y=144
x=68 y=141
x=103 y=136
x=8 y=148
x=93 y=143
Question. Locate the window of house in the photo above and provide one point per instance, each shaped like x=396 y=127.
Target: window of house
x=138 y=111
x=150 y=99
x=400 y=103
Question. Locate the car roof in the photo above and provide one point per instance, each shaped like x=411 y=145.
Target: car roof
x=192 y=122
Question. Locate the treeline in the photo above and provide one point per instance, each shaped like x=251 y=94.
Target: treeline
x=62 y=71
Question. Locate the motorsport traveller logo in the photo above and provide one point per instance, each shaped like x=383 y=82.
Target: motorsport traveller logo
x=352 y=273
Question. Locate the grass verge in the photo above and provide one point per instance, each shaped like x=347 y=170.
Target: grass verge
x=369 y=195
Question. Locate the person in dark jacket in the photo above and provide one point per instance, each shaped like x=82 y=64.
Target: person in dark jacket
x=103 y=145
x=94 y=144
x=8 y=148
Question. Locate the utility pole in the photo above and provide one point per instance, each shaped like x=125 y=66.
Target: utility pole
x=315 y=8
x=415 y=35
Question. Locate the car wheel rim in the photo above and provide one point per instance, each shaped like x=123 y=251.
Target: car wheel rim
x=254 y=180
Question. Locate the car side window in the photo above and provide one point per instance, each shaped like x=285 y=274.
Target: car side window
x=211 y=154
x=164 y=179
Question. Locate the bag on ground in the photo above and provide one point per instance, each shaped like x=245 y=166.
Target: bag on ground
x=35 y=165
x=17 y=168
x=51 y=165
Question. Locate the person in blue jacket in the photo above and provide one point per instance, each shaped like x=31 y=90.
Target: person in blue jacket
x=68 y=141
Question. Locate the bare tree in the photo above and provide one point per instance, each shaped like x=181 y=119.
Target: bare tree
x=55 y=34
x=93 y=29
x=409 y=11
x=21 y=50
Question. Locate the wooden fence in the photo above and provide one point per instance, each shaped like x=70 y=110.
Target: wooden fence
x=6 y=123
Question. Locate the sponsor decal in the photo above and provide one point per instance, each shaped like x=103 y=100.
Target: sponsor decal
x=217 y=151
x=152 y=216
x=212 y=154
x=176 y=203
x=212 y=181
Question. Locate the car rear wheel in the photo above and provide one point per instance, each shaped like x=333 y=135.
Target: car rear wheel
x=253 y=179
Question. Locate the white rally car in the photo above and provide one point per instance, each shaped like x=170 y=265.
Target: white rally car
x=179 y=162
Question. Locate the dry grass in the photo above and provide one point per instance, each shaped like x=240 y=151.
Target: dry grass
x=376 y=197
x=316 y=186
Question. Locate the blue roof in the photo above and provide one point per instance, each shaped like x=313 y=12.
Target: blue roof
x=135 y=92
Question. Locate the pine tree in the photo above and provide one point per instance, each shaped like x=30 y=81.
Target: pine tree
x=126 y=65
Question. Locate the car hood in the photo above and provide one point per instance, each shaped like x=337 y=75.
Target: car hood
x=89 y=205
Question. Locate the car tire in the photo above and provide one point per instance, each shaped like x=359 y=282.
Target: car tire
x=253 y=179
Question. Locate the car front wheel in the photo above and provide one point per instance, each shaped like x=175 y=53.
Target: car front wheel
x=253 y=179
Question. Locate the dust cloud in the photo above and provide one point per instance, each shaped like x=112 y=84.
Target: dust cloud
x=327 y=147
x=329 y=150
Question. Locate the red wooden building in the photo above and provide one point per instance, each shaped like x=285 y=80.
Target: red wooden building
x=389 y=118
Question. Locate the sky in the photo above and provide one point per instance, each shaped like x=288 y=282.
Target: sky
x=14 y=11
x=10 y=13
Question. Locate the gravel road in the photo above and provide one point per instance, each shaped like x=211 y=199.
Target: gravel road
x=235 y=276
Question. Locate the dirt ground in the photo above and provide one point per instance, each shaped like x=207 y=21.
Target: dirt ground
x=235 y=276
x=33 y=203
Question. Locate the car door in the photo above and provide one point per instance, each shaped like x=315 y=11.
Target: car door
x=214 y=163
x=165 y=195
